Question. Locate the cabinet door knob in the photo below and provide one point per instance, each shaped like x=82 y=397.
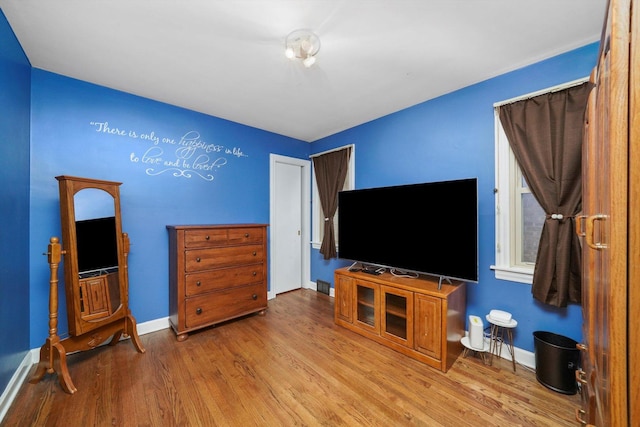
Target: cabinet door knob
x=246 y=234
x=206 y=238
x=254 y=296
x=198 y=283
x=255 y=273
x=198 y=259
x=254 y=253
x=198 y=311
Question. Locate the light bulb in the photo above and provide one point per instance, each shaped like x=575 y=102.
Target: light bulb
x=309 y=61
x=289 y=53
x=306 y=45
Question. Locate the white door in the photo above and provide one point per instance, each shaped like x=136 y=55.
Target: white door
x=289 y=223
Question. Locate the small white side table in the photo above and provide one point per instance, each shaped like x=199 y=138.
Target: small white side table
x=467 y=348
x=498 y=332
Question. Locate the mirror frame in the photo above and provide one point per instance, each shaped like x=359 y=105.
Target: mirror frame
x=69 y=186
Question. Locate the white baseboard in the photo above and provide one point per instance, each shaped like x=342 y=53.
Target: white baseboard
x=523 y=357
x=308 y=285
x=153 y=326
x=15 y=383
x=33 y=356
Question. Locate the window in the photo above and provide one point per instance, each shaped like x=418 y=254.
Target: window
x=519 y=217
x=530 y=219
x=317 y=217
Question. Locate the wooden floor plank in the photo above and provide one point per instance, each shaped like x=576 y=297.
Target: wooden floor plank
x=293 y=366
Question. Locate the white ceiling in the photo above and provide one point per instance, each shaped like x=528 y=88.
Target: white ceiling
x=226 y=57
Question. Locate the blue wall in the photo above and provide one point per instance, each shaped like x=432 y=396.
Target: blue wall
x=80 y=129
x=452 y=137
x=15 y=72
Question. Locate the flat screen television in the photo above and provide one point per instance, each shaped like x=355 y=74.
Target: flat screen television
x=97 y=245
x=429 y=228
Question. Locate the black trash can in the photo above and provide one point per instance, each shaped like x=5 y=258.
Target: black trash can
x=556 y=361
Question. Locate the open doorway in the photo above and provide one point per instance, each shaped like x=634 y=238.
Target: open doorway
x=289 y=223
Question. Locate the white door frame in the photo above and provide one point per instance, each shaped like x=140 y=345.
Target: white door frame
x=305 y=249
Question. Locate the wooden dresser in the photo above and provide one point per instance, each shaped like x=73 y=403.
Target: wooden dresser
x=216 y=273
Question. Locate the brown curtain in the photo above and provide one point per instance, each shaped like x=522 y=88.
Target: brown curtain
x=545 y=134
x=331 y=171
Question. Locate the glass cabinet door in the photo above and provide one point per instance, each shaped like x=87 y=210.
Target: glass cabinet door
x=397 y=315
x=366 y=306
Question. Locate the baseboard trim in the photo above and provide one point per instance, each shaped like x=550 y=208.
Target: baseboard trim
x=18 y=378
x=153 y=326
x=523 y=357
x=308 y=285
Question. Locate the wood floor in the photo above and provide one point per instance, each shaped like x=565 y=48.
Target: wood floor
x=291 y=367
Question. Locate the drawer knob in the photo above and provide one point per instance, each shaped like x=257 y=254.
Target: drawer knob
x=198 y=259
x=254 y=296
x=198 y=311
x=255 y=273
x=198 y=283
x=206 y=238
x=246 y=234
x=254 y=253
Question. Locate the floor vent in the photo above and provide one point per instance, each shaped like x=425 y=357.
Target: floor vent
x=323 y=287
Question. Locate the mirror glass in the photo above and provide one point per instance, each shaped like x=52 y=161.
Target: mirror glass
x=97 y=253
x=93 y=203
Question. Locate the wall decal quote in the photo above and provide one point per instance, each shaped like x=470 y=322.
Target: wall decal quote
x=186 y=156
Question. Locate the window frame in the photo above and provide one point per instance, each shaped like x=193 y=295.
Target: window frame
x=507 y=208
x=316 y=208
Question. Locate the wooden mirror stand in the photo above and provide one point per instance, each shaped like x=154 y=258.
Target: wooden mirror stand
x=96 y=276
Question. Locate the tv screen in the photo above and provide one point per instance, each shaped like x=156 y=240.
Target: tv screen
x=97 y=245
x=429 y=228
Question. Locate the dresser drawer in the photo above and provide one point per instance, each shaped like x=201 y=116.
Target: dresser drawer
x=202 y=238
x=203 y=259
x=205 y=238
x=212 y=280
x=220 y=306
x=245 y=235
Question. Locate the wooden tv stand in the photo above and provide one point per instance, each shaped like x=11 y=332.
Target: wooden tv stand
x=411 y=316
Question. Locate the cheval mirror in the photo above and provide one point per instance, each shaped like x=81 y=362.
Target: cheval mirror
x=95 y=275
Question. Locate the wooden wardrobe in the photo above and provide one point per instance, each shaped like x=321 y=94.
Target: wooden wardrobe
x=610 y=228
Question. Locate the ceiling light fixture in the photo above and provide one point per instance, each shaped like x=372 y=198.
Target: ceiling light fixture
x=304 y=45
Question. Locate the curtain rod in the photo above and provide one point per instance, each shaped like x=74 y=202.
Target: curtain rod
x=543 y=91
x=332 y=150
